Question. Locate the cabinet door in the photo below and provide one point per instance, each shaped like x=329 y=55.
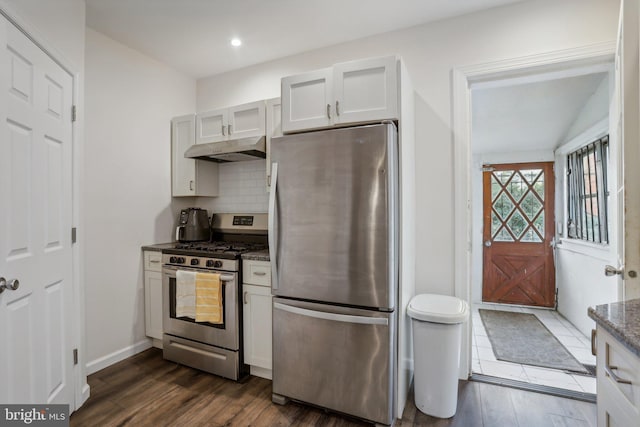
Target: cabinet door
x=257 y=326
x=153 y=303
x=211 y=126
x=182 y=170
x=274 y=129
x=307 y=101
x=246 y=120
x=366 y=90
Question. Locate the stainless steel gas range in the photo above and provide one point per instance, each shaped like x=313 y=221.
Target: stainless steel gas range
x=214 y=348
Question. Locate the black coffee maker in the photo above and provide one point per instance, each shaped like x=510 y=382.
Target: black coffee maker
x=193 y=225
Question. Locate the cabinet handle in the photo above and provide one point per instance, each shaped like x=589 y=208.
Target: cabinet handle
x=329 y=111
x=593 y=342
x=337 y=108
x=609 y=370
x=154 y=261
x=223 y=134
x=191 y=185
x=229 y=129
x=259 y=273
x=244 y=297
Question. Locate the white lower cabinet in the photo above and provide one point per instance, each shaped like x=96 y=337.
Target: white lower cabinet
x=257 y=317
x=153 y=296
x=618 y=383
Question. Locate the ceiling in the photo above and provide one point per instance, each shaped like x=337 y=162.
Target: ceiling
x=194 y=36
x=529 y=116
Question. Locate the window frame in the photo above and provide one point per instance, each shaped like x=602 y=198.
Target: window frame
x=580 y=194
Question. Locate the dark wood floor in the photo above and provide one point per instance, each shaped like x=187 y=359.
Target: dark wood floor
x=146 y=390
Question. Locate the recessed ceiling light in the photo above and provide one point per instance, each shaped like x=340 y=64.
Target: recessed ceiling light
x=236 y=42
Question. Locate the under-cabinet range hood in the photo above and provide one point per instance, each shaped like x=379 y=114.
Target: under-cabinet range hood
x=235 y=150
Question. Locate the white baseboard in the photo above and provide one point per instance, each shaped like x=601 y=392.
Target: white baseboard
x=261 y=372
x=86 y=392
x=117 y=356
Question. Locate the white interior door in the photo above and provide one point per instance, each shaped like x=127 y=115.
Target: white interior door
x=36 y=358
x=627 y=103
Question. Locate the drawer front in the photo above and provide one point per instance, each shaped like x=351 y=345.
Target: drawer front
x=256 y=273
x=619 y=368
x=153 y=261
x=348 y=364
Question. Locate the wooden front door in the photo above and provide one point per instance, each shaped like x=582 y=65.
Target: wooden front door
x=518 y=231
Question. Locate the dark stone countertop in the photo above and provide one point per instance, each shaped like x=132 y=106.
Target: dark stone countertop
x=262 y=255
x=622 y=320
x=158 y=247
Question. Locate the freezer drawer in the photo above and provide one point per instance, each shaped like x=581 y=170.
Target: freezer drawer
x=335 y=357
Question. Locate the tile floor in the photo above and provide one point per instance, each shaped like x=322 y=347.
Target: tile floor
x=484 y=361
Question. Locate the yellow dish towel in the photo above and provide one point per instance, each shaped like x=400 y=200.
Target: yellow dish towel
x=208 y=298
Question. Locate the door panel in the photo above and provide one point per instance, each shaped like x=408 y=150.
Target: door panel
x=518 y=230
x=212 y=126
x=35 y=224
x=307 y=100
x=335 y=198
x=347 y=366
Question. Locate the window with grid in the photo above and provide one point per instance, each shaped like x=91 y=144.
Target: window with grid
x=587 y=192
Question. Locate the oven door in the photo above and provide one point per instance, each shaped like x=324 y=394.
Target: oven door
x=225 y=335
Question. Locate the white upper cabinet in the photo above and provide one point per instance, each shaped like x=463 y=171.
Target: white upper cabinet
x=246 y=120
x=240 y=121
x=366 y=90
x=351 y=92
x=307 y=100
x=212 y=126
x=189 y=177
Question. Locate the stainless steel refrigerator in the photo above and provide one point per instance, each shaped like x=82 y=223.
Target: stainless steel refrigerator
x=333 y=213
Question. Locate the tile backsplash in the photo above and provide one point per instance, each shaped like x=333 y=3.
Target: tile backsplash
x=243 y=188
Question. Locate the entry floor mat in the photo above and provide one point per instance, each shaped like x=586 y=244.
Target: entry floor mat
x=522 y=338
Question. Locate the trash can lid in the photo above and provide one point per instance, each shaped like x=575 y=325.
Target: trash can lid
x=438 y=309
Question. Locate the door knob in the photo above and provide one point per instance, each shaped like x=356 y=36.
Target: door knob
x=11 y=285
x=487 y=243
x=610 y=270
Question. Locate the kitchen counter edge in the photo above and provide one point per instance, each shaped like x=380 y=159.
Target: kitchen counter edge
x=257 y=255
x=622 y=320
x=158 y=247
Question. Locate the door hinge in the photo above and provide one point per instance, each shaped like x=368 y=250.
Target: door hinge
x=488 y=168
x=74 y=235
x=73 y=113
x=75 y=356
x=556 y=298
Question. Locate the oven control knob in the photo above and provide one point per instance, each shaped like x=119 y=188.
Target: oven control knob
x=210 y=263
x=217 y=264
x=180 y=260
x=173 y=260
x=195 y=261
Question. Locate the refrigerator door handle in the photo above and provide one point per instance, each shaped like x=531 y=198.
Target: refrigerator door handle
x=273 y=235
x=346 y=318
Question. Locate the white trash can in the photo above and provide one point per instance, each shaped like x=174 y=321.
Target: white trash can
x=437 y=324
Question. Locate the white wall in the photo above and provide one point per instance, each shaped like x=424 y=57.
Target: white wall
x=59 y=23
x=131 y=99
x=430 y=52
x=580 y=265
x=595 y=110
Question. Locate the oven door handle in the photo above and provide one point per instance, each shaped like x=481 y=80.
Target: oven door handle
x=273 y=233
x=171 y=272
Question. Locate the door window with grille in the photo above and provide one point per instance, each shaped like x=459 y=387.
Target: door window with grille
x=517 y=213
